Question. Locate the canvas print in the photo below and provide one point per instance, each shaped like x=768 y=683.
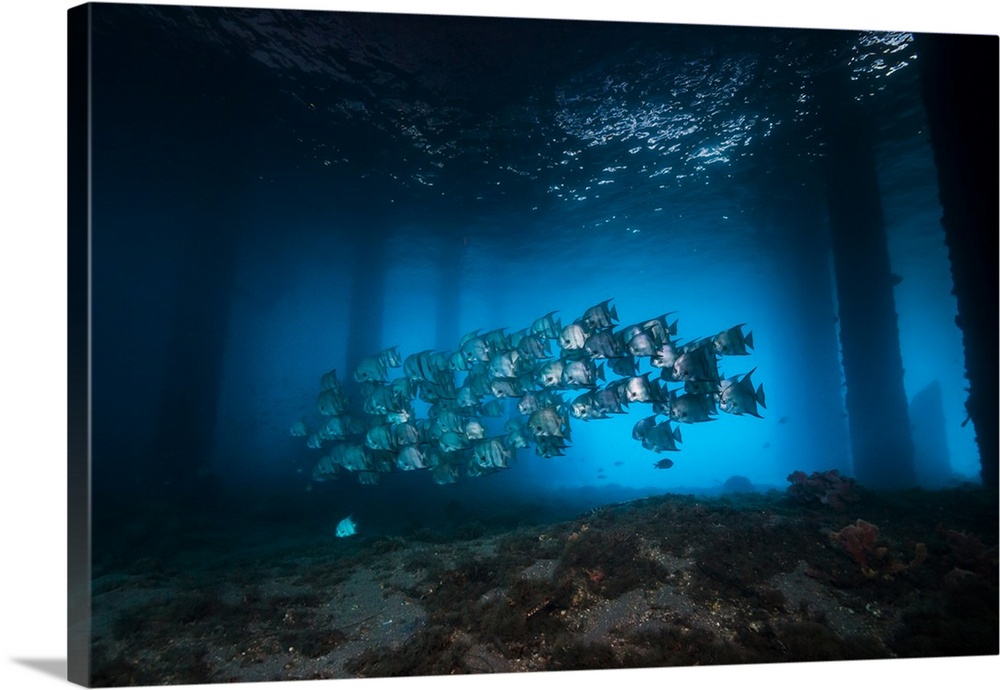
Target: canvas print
x=417 y=345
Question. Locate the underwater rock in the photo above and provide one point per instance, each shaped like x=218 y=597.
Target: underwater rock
x=738 y=484
x=828 y=488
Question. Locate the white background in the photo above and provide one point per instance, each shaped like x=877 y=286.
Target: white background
x=33 y=331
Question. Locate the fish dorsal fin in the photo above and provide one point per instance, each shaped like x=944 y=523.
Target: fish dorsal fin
x=471 y=335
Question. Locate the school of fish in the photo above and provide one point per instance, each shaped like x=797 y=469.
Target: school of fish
x=534 y=382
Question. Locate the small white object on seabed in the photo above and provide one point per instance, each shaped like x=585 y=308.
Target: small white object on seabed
x=346 y=527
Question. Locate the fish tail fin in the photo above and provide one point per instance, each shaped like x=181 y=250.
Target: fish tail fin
x=676 y=433
x=749 y=340
x=760 y=395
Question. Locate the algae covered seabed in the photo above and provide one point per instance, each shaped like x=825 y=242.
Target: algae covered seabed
x=671 y=580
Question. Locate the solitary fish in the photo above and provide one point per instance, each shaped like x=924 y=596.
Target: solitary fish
x=346 y=527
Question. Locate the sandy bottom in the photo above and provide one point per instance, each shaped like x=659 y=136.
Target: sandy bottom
x=665 y=581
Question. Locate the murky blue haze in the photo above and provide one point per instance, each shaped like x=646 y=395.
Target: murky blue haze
x=277 y=194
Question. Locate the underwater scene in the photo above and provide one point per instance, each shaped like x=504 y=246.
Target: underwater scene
x=426 y=345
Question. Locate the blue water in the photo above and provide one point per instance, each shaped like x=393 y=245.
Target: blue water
x=248 y=164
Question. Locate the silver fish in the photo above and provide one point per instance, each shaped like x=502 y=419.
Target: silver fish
x=497 y=341
x=329 y=381
x=665 y=357
x=547 y=326
x=573 y=337
x=335 y=429
x=451 y=441
x=474 y=429
x=659 y=330
x=350 y=456
x=640 y=389
x=510 y=387
x=690 y=408
x=737 y=395
x=466 y=398
x=624 y=366
x=551 y=373
x=585 y=408
x=608 y=400
x=531 y=401
x=733 y=341
x=324 y=470
x=445 y=473
x=550 y=446
x=368 y=477
x=603 y=344
x=582 y=372
x=380 y=437
x=475 y=350
x=404 y=434
x=493 y=408
x=410 y=458
x=698 y=364
x=443 y=421
x=600 y=316
x=478 y=381
x=662 y=437
x=382 y=399
x=299 y=428
x=491 y=452
x=547 y=421
x=370 y=369
x=457 y=361
x=517 y=435
x=503 y=365
x=533 y=346
x=331 y=402
x=642 y=345
x=389 y=358
x=642 y=427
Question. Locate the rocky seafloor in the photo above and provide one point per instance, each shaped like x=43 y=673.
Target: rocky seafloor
x=671 y=580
